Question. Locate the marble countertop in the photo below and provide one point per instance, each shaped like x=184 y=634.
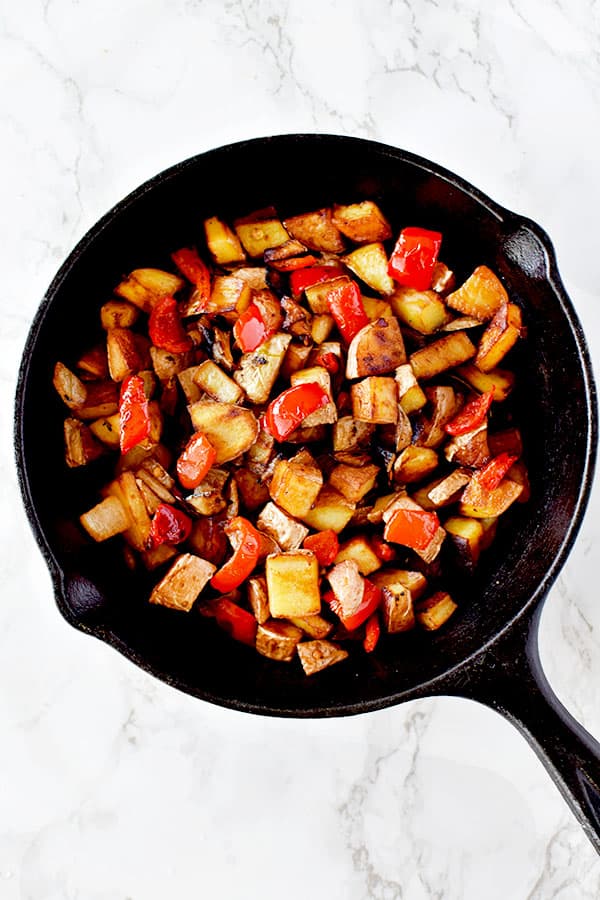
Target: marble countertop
x=115 y=787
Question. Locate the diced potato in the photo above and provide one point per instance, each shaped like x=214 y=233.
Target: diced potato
x=208 y=540
x=188 y=384
x=208 y=498
x=470 y=449
x=151 y=500
x=376 y=349
x=154 y=469
x=360 y=551
x=481 y=295
x=443 y=491
x=370 y=263
x=107 y=518
x=414 y=582
x=490 y=526
x=362 y=222
x=317 y=294
x=293 y=584
x=318 y=655
x=321 y=328
x=421 y=310
x=278 y=640
x=461 y=323
x=480 y=503
x=465 y=534
x=157 y=556
x=352 y=482
x=219 y=386
x=145 y=287
x=430 y=431
x=415 y=464
x=498 y=338
x=442 y=279
x=94 y=362
x=124 y=356
x=501 y=380
x=315 y=626
x=331 y=511
x=253 y=491
x=166 y=364
x=288 y=533
x=375 y=400
x=259 y=369
x=518 y=473
x=184 y=581
x=348 y=585
x=317 y=375
x=118 y=314
x=231 y=429
x=254 y=276
x=107 y=429
x=375 y=516
x=275 y=256
x=224 y=246
x=145 y=476
x=258 y=234
x=296 y=358
x=435 y=611
x=229 y=295
x=261 y=453
x=316 y=230
x=297 y=321
x=296 y=483
x=349 y=434
x=126 y=490
x=71 y=390
x=221 y=348
x=445 y=353
x=411 y=395
x=507 y=441
x=397 y=609
x=258 y=599
x=80 y=445
x=376 y=308
x=134 y=458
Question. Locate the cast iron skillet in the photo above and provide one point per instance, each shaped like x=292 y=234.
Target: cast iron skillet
x=489 y=650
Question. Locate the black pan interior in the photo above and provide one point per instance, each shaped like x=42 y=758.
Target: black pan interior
x=554 y=403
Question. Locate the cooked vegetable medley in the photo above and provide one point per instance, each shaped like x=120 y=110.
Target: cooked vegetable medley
x=300 y=428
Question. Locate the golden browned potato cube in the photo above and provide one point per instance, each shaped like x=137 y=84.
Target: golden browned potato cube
x=229 y=295
x=352 y=482
x=421 y=310
x=321 y=328
x=208 y=540
x=261 y=453
x=480 y=503
x=489 y=530
x=293 y=584
x=118 y=314
x=442 y=279
x=519 y=474
x=296 y=484
x=370 y=263
x=316 y=231
x=259 y=235
x=274 y=522
x=414 y=464
x=359 y=550
x=480 y=296
x=107 y=429
x=259 y=369
x=350 y=434
x=410 y=393
x=317 y=375
x=435 y=611
x=145 y=287
x=231 y=429
x=124 y=357
x=125 y=488
x=445 y=353
x=188 y=384
x=414 y=582
x=461 y=323
x=94 y=362
x=156 y=557
x=498 y=338
x=375 y=400
x=254 y=276
x=397 y=610
x=151 y=500
x=318 y=655
x=314 y=626
x=186 y=578
x=80 y=445
x=465 y=534
x=376 y=349
x=107 y=518
x=278 y=640
x=330 y=511
x=208 y=497
x=224 y=246
x=70 y=388
x=501 y=380
x=348 y=585
x=296 y=358
x=470 y=449
x=376 y=308
x=253 y=491
x=443 y=491
x=166 y=364
x=219 y=386
x=362 y=222
x=258 y=599
x=317 y=294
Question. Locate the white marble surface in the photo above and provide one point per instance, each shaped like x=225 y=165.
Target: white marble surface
x=113 y=786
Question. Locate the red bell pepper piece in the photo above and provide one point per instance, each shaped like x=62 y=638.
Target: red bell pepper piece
x=414 y=257
x=382 y=550
x=329 y=361
x=195 y=461
x=195 y=270
x=471 y=415
x=346 y=307
x=250 y=330
x=372 y=633
x=134 y=414
x=325 y=546
x=292 y=265
x=165 y=328
x=368 y=605
x=492 y=474
x=289 y=410
x=412 y=528
x=303 y=278
x=237 y=622
x=169 y=526
x=248 y=543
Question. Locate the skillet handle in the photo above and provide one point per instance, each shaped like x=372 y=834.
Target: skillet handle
x=509 y=678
